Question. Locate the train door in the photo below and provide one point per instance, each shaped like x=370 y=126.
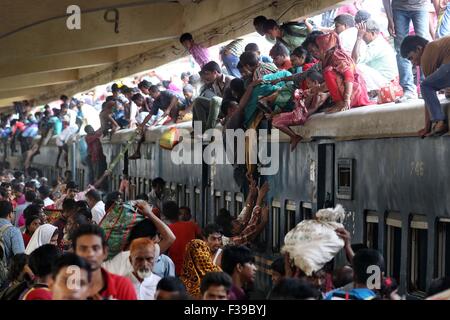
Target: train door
x=325 y=176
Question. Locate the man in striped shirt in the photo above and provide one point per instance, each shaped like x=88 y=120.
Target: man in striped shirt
x=199 y=53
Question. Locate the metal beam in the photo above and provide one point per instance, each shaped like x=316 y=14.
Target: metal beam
x=146 y=23
x=38 y=80
x=212 y=22
x=58 y=63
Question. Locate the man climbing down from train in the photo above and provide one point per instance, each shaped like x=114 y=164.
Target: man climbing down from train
x=206 y=107
x=95 y=154
x=434 y=60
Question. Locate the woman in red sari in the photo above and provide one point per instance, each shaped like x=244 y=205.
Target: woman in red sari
x=346 y=86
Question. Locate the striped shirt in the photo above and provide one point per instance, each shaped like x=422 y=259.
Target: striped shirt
x=235 y=47
x=200 y=54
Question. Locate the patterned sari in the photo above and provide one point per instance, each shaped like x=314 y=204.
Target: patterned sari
x=337 y=68
x=197 y=263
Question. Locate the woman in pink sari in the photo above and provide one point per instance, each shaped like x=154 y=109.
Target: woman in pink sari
x=346 y=86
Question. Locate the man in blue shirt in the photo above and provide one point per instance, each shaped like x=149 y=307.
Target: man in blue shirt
x=10 y=236
x=366 y=264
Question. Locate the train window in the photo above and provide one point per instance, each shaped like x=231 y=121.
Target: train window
x=345 y=179
x=443 y=248
x=197 y=204
x=393 y=245
x=239 y=197
x=418 y=246
x=290 y=216
x=276 y=210
x=187 y=196
x=307 y=211
x=371 y=230
x=228 y=201
x=217 y=202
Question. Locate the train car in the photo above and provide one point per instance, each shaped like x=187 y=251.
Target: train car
x=392 y=184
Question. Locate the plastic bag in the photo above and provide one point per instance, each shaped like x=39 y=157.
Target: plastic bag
x=170 y=139
x=313 y=243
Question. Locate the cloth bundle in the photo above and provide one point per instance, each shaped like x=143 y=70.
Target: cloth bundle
x=117 y=224
x=313 y=243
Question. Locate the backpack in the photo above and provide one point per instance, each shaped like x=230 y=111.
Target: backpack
x=14 y=292
x=3 y=260
x=287 y=28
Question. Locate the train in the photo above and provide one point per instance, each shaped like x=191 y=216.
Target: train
x=393 y=185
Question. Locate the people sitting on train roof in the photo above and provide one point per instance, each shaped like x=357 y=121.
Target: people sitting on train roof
x=253 y=47
x=302 y=61
x=131 y=109
x=281 y=57
x=167 y=101
x=230 y=56
x=345 y=28
x=306 y=104
x=434 y=60
x=106 y=117
x=200 y=54
x=206 y=107
x=291 y=34
x=377 y=61
x=346 y=86
x=258 y=23
x=185 y=113
x=144 y=85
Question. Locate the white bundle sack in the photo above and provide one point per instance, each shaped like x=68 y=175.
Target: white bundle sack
x=313 y=243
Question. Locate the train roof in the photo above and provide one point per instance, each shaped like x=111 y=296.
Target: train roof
x=369 y=122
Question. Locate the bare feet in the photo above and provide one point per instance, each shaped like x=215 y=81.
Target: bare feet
x=439 y=128
x=334 y=109
x=423 y=132
x=294 y=141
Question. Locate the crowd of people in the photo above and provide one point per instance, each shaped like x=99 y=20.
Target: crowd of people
x=46 y=242
x=342 y=61
x=48 y=228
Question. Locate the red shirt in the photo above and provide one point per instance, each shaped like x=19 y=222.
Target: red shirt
x=117 y=287
x=286 y=65
x=94 y=144
x=38 y=294
x=26 y=238
x=184 y=231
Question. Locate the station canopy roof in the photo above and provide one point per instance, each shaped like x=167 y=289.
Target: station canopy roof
x=41 y=58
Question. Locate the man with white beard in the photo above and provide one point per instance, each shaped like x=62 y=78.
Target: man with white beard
x=142 y=257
